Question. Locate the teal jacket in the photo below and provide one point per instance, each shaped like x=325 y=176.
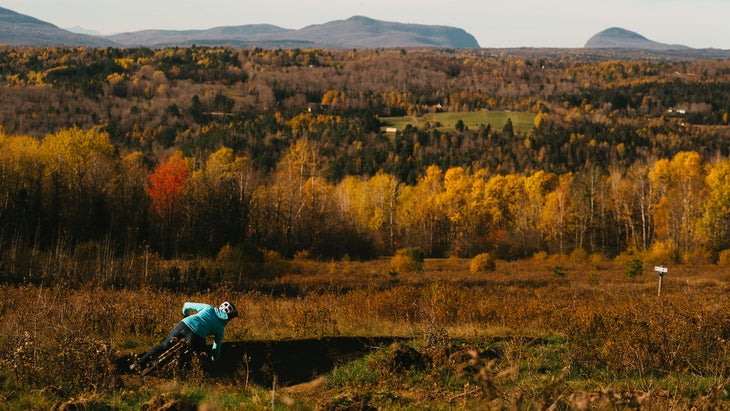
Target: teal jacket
x=207 y=321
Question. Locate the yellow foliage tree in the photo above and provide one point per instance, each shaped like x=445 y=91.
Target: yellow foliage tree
x=678 y=185
x=556 y=215
x=716 y=217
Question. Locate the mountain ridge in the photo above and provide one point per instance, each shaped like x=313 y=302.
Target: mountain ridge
x=21 y=30
x=619 y=38
x=354 y=32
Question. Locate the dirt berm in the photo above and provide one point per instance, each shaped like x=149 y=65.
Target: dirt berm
x=291 y=361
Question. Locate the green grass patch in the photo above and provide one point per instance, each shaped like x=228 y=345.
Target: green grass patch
x=521 y=121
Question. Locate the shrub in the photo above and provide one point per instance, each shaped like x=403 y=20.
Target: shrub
x=696 y=257
x=70 y=362
x=662 y=252
x=239 y=263
x=414 y=253
x=651 y=330
x=482 y=263
x=407 y=260
x=274 y=264
x=579 y=255
x=303 y=263
x=634 y=267
x=596 y=258
x=724 y=258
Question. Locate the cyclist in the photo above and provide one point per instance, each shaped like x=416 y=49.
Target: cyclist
x=200 y=321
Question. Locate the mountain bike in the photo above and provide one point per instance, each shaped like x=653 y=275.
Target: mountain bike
x=178 y=355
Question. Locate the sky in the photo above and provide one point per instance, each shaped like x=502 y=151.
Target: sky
x=495 y=24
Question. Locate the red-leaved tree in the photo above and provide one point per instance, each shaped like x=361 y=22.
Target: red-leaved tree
x=166 y=187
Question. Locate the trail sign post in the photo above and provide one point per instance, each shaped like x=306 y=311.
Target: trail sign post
x=661 y=271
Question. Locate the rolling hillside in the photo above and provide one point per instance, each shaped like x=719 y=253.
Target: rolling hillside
x=355 y=32
x=20 y=30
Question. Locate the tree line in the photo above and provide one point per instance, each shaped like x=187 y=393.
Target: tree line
x=74 y=186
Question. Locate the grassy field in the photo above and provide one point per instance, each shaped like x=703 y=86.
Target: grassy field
x=560 y=332
x=521 y=121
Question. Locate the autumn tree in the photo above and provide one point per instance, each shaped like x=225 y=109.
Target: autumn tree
x=715 y=221
x=130 y=201
x=557 y=215
x=678 y=184
x=526 y=210
x=471 y=210
x=589 y=202
x=78 y=168
x=298 y=206
x=20 y=186
x=632 y=206
x=220 y=200
x=422 y=218
x=166 y=188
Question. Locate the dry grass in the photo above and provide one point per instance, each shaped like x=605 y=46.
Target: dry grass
x=608 y=327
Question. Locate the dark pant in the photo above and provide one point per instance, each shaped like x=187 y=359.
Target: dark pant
x=181 y=330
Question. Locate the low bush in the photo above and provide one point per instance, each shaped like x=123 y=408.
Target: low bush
x=482 y=263
x=724 y=258
x=696 y=257
x=634 y=267
x=638 y=338
x=70 y=362
x=407 y=260
x=579 y=255
x=662 y=253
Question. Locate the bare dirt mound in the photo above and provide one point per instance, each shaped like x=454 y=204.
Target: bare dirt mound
x=290 y=362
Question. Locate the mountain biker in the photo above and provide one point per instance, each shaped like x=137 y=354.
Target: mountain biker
x=200 y=321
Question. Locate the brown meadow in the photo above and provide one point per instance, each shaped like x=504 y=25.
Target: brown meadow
x=548 y=331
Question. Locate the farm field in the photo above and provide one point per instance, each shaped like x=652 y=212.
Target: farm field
x=522 y=122
x=551 y=331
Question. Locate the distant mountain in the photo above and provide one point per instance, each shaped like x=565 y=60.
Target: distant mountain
x=234 y=35
x=355 y=32
x=618 y=38
x=82 y=30
x=20 y=30
x=364 y=32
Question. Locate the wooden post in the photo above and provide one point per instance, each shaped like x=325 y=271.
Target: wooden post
x=661 y=271
x=273 y=394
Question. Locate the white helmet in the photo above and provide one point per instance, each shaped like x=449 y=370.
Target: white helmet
x=229 y=309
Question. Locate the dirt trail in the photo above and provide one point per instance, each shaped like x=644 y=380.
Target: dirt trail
x=291 y=361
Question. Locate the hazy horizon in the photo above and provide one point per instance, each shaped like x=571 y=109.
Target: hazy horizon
x=526 y=23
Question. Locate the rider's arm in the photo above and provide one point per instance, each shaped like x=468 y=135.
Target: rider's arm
x=216 y=349
x=189 y=307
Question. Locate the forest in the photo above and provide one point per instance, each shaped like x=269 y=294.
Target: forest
x=194 y=152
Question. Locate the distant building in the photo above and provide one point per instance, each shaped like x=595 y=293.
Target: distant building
x=391 y=130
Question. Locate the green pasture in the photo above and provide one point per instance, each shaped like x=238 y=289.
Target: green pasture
x=522 y=122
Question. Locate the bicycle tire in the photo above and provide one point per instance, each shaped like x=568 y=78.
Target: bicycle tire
x=175 y=351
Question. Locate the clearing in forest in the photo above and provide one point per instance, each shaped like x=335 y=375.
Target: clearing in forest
x=522 y=122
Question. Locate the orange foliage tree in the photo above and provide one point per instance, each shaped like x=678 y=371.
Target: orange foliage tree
x=167 y=183
x=166 y=188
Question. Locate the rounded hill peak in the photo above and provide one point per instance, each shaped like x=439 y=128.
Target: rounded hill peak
x=618 y=38
x=619 y=33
